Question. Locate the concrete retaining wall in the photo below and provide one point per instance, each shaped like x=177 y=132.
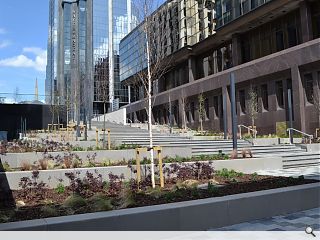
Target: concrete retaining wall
x=195 y=215
x=264 y=141
x=119 y=117
x=16 y=159
x=311 y=147
x=52 y=177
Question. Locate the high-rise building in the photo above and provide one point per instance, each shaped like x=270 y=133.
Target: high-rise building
x=83 y=54
x=271 y=46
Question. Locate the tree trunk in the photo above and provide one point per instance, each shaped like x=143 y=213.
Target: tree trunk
x=104 y=125
x=150 y=112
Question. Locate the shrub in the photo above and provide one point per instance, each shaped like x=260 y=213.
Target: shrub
x=49 y=211
x=234 y=154
x=67 y=161
x=25 y=166
x=244 y=153
x=99 y=203
x=75 y=201
x=43 y=163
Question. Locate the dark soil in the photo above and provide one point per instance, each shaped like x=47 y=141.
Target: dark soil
x=35 y=202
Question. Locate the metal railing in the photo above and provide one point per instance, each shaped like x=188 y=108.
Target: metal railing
x=289 y=130
x=254 y=131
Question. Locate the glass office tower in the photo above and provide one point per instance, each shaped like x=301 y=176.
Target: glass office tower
x=83 y=54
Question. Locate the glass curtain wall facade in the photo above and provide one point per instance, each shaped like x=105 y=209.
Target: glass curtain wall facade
x=51 y=71
x=78 y=68
x=175 y=25
x=228 y=10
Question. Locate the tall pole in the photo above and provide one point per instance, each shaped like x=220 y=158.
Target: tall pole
x=111 y=55
x=233 y=112
x=290 y=114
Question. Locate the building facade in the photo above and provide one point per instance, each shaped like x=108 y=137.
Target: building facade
x=271 y=47
x=83 y=54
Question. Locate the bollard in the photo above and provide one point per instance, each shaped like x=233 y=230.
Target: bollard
x=97 y=138
x=109 y=140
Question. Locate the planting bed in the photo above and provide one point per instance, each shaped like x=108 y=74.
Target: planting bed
x=91 y=194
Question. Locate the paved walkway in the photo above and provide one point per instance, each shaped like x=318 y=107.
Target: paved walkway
x=292 y=222
x=308 y=172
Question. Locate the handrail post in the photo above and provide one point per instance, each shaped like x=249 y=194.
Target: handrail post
x=290 y=136
x=240 y=132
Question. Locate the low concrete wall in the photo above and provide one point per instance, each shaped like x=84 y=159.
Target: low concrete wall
x=264 y=141
x=311 y=147
x=287 y=140
x=16 y=159
x=195 y=215
x=250 y=165
x=52 y=177
x=119 y=117
x=207 y=138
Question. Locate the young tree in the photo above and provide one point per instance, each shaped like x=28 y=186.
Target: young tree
x=153 y=62
x=201 y=110
x=253 y=105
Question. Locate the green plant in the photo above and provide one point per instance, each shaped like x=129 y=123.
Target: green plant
x=212 y=189
x=225 y=173
x=6 y=167
x=254 y=176
x=60 y=189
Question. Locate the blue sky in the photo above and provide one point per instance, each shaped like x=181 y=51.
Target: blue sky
x=23 y=44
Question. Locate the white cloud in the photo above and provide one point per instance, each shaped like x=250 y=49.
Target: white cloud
x=38 y=63
x=4 y=44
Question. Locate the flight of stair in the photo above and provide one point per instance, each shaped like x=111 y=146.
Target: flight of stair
x=293 y=155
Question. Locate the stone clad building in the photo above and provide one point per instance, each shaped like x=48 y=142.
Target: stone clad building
x=270 y=45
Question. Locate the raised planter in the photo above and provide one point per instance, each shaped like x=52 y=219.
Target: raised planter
x=53 y=177
x=16 y=159
x=195 y=215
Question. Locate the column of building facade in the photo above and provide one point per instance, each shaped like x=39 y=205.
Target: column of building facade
x=89 y=62
x=192 y=69
x=298 y=99
x=236 y=50
x=227 y=110
x=306 y=21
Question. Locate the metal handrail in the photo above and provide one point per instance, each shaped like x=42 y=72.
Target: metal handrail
x=254 y=131
x=298 y=131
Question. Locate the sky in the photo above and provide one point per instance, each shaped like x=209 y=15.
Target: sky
x=23 y=44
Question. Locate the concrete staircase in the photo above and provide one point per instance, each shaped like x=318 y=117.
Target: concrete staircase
x=302 y=159
x=293 y=155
